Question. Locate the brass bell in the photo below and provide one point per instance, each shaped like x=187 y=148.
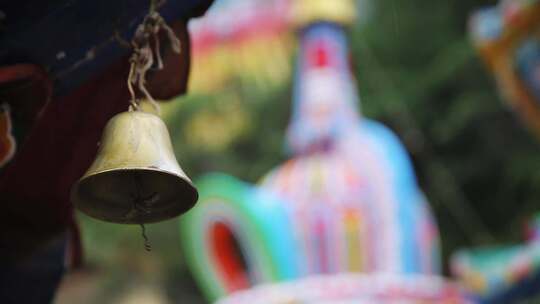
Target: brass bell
x=135 y=178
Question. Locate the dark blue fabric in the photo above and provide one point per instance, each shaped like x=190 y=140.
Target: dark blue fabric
x=74 y=39
x=33 y=280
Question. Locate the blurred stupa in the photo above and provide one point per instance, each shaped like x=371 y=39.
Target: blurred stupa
x=346 y=203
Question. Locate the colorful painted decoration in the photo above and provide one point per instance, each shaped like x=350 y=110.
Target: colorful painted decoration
x=238 y=236
x=337 y=201
x=508 y=39
x=353 y=288
x=245 y=41
x=325 y=97
x=502 y=274
x=252 y=41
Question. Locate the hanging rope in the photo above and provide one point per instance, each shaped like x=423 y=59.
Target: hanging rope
x=146 y=52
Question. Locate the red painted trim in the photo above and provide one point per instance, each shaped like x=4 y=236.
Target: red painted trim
x=227 y=258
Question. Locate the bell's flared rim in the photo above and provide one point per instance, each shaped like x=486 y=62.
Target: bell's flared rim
x=171 y=211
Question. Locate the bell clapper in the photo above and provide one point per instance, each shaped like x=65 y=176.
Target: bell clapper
x=141 y=206
x=147 y=245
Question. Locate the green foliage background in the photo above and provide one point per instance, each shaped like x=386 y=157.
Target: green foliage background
x=418 y=73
